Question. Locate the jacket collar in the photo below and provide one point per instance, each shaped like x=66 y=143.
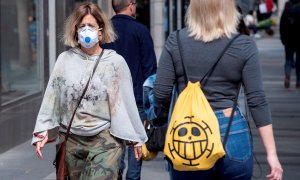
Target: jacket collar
x=123 y=16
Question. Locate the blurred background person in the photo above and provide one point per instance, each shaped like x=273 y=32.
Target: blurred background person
x=290 y=38
x=251 y=23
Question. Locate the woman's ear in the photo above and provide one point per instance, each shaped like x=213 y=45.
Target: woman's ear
x=100 y=34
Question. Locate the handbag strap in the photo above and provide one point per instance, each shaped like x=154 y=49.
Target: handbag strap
x=82 y=95
x=208 y=74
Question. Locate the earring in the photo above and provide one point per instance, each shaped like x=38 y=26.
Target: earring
x=100 y=35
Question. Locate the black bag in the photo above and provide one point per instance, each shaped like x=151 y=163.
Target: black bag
x=156 y=138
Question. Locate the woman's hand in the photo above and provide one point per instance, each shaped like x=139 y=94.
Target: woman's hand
x=276 y=169
x=266 y=133
x=39 y=145
x=138 y=152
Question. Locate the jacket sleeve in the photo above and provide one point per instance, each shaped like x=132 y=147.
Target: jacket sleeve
x=49 y=114
x=125 y=120
x=165 y=78
x=254 y=90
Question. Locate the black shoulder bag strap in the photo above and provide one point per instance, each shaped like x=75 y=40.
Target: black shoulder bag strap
x=208 y=74
x=83 y=93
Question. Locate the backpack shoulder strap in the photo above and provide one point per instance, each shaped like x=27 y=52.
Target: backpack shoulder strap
x=210 y=71
x=208 y=74
x=181 y=57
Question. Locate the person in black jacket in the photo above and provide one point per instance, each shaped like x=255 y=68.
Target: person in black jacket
x=135 y=44
x=290 y=37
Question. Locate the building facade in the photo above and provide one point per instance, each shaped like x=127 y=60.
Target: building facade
x=30 y=41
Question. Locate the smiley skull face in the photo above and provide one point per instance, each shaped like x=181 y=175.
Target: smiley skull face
x=190 y=140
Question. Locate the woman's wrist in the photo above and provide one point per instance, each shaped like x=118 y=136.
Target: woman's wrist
x=41 y=135
x=272 y=153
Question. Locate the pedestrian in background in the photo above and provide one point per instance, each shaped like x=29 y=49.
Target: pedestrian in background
x=242 y=28
x=264 y=10
x=135 y=44
x=107 y=114
x=251 y=22
x=205 y=36
x=290 y=38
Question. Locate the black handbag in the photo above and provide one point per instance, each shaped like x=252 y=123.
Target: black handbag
x=59 y=161
x=156 y=138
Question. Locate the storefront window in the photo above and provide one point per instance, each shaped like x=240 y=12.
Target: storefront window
x=166 y=18
x=19 y=44
x=185 y=5
x=174 y=14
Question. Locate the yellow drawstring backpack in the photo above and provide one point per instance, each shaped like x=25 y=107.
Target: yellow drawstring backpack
x=193 y=140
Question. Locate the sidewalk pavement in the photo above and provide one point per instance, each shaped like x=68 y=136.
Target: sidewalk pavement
x=20 y=163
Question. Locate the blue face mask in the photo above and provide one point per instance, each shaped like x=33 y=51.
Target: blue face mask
x=88 y=37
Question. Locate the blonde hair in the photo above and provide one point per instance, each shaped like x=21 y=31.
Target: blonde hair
x=208 y=20
x=70 y=35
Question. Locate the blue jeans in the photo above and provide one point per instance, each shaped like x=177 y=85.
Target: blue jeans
x=237 y=164
x=134 y=166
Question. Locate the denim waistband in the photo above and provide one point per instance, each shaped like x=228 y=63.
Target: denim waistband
x=220 y=113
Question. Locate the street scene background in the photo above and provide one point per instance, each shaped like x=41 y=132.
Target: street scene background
x=30 y=41
x=21 y=163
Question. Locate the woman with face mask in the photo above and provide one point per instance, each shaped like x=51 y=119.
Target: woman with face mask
x=104 y=115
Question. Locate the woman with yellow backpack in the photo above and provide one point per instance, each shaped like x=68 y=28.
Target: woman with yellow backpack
x=209 y=57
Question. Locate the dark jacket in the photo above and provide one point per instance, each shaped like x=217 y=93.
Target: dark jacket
x=135 y=44
x=290 y=25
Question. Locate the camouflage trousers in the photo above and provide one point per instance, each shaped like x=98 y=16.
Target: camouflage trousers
x=93 y=157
